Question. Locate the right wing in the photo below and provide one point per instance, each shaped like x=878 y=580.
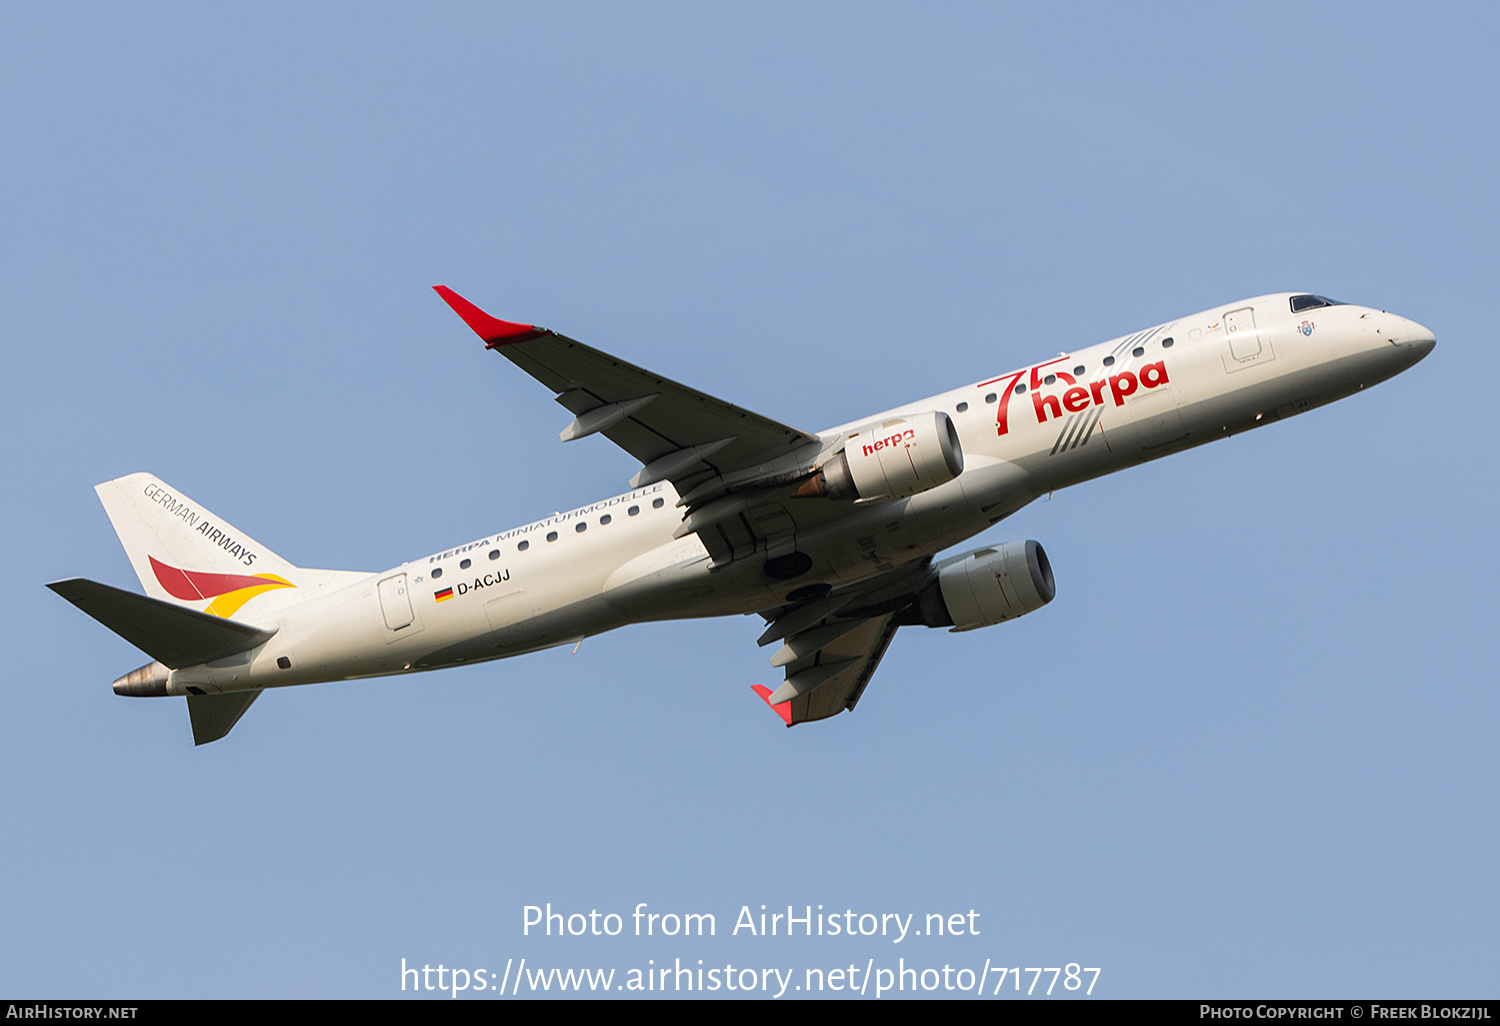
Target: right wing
x=679 y=434
x=734 y=470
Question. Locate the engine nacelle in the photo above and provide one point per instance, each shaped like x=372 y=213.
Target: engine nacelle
x=988 y=586
x=892 y=460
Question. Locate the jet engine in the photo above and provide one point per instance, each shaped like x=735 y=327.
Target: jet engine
x=891 y=460
x=986 y=587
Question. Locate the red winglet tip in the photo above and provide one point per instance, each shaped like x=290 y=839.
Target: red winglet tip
x=784 y=710
x=492 y=330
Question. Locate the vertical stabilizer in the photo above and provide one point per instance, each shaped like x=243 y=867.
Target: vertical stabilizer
x=186 y=555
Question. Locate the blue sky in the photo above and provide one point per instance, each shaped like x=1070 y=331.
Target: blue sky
x=1248 y=751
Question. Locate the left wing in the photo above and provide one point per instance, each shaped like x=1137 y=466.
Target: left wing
x=834 y=642
x=699 y=443
x=831 y=679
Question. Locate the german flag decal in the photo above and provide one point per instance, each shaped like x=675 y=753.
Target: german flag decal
x=444 y=595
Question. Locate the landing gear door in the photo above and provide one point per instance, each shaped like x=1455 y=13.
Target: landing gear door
x=777 y=528
x=1246 y=346
x=395 y=602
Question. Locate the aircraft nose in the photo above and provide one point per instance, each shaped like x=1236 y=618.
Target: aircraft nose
x=1413 y=337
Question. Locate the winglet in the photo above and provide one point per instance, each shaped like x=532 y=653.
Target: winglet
x=493 y=330
x=784 y=710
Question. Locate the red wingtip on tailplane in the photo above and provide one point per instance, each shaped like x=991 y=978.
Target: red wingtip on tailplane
x=784 y=710
x=493 y=330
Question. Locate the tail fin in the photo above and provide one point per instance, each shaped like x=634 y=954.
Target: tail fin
x=187 y=556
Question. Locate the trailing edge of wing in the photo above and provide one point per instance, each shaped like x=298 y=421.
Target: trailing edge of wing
x=688 y=436
x=173 y=635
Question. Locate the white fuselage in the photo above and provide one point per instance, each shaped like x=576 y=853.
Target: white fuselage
x=1023 y=434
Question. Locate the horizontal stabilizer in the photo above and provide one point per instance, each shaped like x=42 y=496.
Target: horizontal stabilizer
x=214 y=716
x=173 y=635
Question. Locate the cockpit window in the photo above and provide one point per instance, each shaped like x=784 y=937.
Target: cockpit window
x=1300 y=303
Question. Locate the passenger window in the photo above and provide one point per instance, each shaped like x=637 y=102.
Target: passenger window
x=494 y=553
x=1138 y=351
x=552 y=536
x=581 y=527
x=466 y=564
x=991 y=397
x=1166 y=343
x=1019 y=390
x=1079 y=370
x=523 y=546
x=1109 y=361
x=605 y=519
x=658 y=503
x=961 y=407
x=1050 y=379
x=437 y=572
x=633 y=510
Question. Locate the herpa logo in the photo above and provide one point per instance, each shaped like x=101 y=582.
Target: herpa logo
x=1077 y=398
x=1306 y=327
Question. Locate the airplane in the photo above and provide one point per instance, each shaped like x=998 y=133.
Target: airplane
x=833 y=537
